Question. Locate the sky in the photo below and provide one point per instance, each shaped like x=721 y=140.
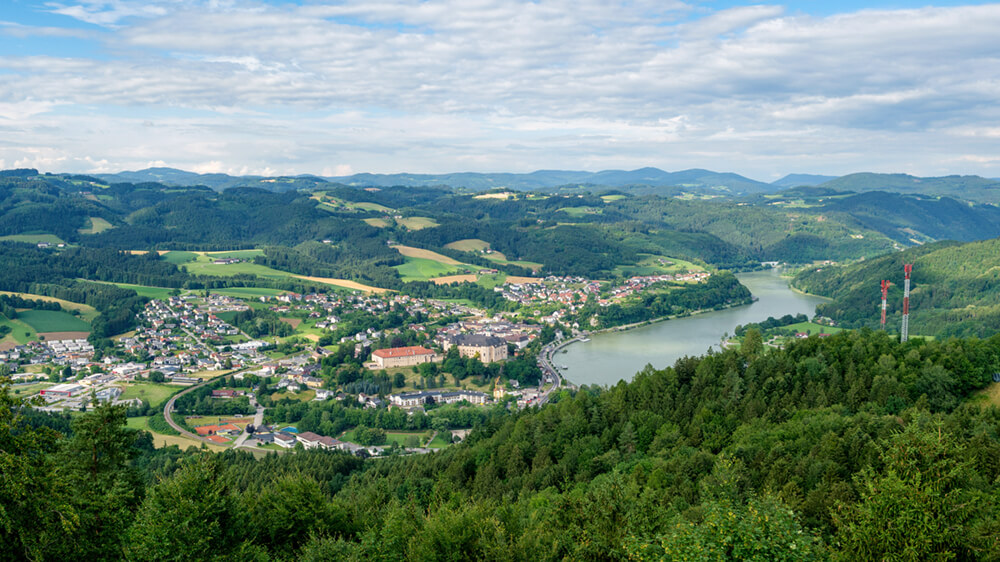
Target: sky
x=333 y=88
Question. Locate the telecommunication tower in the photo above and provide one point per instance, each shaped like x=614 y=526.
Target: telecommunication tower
x=885 y=298
x=905 y=332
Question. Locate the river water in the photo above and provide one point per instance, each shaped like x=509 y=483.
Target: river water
x=608 y=358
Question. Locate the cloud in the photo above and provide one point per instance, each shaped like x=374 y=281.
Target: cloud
x=391 y=85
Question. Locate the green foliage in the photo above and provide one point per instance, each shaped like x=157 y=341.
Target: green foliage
x=761 y=529
x=191 y=516
x=955 y=289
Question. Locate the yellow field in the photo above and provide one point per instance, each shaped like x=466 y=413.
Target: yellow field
x=468 y=245
x=343 y=283
x=377 y=223
x=504 y=195
x=514 y=279
x=412 y=252
x=144 y=252
x=468 y=278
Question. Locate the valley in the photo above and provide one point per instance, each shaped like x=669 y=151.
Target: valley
x=393 y=338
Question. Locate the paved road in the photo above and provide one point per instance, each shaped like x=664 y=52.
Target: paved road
x=545 y=360
x=258 y=420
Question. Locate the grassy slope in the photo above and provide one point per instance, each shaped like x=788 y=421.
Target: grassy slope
x=95 y=225
x=33 y=238
x=53 y=321
x=87 y=312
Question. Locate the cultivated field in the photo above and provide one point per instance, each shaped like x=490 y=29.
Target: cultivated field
x=412 y=252
x=87 y=312
x=204 y=266
x=467 y=278
x=53 y=321
x=504 y=195
x=377 y=223
x=178 y=257
x=421 y=269
x=368 y=207
x=241 y=254
x=95 y=225
x=33 y=238
x=516 y=279
x=347 y=283
x=468 y=245
x=20 y=333
x=416 y=223
x=53 y=336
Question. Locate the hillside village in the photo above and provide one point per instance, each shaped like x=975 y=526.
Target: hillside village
x=324 y=346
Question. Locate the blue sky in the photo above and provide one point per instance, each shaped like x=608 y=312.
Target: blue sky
x=488 y=85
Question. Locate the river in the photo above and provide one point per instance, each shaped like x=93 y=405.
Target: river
x=608 y=358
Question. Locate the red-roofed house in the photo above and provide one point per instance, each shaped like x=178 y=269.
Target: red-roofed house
x=402 y=356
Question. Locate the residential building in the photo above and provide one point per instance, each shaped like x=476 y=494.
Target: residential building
x=440 y=397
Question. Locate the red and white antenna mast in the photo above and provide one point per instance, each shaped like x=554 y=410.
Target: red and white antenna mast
x=885 y=298
x=905 y=332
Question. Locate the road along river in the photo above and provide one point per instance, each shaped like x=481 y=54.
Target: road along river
x=610 y=357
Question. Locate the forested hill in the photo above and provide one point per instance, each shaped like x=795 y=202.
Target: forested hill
x=955 y=289
x=852 y=447
x=970 y=188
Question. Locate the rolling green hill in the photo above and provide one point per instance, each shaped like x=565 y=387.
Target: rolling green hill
x=970 y=188
x=955 y=289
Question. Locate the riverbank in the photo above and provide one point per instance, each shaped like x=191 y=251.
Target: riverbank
x=634 y=325
x=619 y=352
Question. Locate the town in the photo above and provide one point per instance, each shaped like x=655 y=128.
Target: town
x=254 y=355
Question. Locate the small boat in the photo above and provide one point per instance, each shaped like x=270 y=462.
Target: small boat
x=585 y=340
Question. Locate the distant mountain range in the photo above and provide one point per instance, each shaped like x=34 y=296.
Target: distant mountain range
x=798 y=180
x=971 y=188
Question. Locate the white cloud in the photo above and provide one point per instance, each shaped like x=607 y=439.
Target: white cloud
x=438 y=85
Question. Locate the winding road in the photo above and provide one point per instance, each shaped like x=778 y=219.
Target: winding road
x=169 y=407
